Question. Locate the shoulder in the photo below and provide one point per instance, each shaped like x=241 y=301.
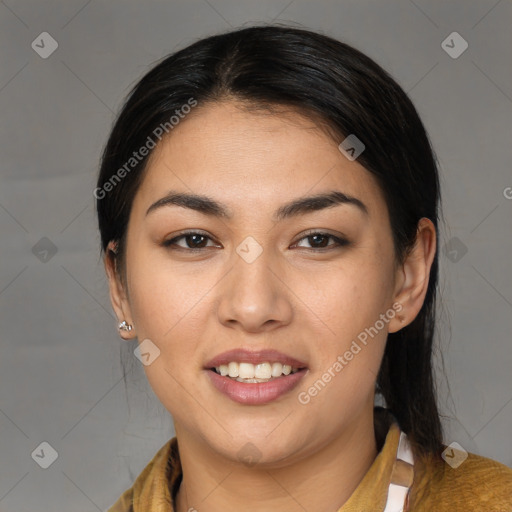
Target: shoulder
x=464 y=481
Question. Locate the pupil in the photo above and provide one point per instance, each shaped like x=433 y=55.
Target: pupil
x=317 y=237
x=195 y=237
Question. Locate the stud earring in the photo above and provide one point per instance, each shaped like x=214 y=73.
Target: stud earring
x=123 y=326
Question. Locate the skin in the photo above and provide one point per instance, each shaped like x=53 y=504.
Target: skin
x=307 y=302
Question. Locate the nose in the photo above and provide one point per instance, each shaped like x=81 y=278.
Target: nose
x=254 y=296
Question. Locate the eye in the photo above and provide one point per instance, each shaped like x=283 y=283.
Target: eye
x=194 y=240
x=318 y=240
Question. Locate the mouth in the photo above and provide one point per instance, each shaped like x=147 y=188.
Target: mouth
x=255 y=373
x=255 y=378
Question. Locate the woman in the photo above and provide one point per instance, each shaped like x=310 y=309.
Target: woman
x=268 y=205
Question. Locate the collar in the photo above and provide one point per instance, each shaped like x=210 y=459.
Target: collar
x=387 y=468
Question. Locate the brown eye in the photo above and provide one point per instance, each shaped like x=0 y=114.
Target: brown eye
x=319 y=240
x=194 y=241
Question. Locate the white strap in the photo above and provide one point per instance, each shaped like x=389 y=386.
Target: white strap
x=397 y=494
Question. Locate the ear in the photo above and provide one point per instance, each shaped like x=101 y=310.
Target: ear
x=118 y=296
x=412 y=277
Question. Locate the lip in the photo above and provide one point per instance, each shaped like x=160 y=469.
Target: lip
x=241 y=355
x=255 y=393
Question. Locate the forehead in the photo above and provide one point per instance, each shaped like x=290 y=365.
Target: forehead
x=252 y=158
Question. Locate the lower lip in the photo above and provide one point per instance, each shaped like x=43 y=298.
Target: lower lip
x=255 y=393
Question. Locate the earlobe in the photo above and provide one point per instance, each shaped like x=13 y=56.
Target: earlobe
x=413 y=275
x=117 y=294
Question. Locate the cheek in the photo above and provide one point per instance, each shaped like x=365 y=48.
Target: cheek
x=352 y=296
x=348 y=354
x=165 y=308
x=349 y=301
x=162 y=295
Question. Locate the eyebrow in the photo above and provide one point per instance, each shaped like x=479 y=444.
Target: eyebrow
x=300 y=206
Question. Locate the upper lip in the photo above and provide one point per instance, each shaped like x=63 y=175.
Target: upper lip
x=242 y=355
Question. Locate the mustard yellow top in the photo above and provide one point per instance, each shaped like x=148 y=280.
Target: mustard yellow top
x=478 y=484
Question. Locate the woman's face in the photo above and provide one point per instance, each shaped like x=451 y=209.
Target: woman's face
x=310 y=284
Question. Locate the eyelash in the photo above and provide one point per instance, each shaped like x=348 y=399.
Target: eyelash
x=339 y=242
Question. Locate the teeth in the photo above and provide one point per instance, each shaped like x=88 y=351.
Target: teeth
x=245 y=370
x=277 y=369
x=233 y=369
x=251 y=381
x=248 y=372
x=263 y=371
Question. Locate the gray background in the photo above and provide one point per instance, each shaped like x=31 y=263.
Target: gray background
x=60 y=375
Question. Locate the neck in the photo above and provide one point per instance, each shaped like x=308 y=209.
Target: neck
x=322 y=481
